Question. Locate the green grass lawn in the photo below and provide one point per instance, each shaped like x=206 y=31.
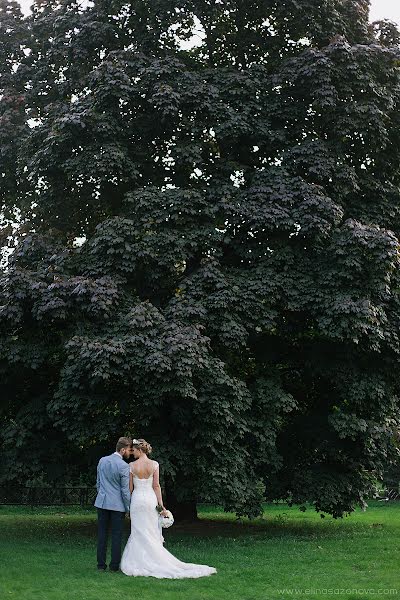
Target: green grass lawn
x=50 y=554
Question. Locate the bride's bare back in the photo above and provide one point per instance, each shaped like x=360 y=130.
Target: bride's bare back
x=143 y=467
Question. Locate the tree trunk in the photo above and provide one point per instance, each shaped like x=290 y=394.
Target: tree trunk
x=185 y=510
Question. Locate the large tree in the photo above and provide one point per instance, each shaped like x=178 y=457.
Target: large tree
x=203 y=203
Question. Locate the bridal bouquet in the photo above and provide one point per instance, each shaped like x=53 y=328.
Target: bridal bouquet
x=167 y=520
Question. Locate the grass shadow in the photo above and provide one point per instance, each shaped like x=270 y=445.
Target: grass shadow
x=280 y=522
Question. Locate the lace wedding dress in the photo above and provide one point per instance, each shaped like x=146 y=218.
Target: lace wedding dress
x=144 y=553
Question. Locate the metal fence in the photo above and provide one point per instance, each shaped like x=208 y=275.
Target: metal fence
x=85 y=496
x=40 y=496
x=389 y=494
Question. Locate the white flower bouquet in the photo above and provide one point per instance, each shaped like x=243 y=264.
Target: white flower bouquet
x=166 y=520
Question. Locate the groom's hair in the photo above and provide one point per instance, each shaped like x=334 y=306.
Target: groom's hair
x=123 y=442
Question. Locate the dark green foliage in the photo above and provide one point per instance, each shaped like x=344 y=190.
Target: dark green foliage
x=235 y=298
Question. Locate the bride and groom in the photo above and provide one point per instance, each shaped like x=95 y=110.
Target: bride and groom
x=135 y=488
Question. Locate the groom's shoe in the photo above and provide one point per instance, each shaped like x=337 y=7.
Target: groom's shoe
x=114 y=570
x=102 y=568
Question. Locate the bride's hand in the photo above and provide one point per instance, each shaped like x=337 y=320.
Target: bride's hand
x=164 y=512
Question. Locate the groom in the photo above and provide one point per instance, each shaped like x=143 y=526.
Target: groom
x=112 y=502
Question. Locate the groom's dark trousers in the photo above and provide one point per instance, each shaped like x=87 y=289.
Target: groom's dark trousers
x=106 y=517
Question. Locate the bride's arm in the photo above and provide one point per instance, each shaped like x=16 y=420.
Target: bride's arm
x=157 y=487
x=130 y=480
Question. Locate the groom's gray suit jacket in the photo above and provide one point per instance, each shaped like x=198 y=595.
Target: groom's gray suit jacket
x=113 y=484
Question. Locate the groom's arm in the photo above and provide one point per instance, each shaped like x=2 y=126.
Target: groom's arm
x=98 y=477
x=124 y=479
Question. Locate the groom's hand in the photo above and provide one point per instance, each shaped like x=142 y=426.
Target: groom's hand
x=127 y=515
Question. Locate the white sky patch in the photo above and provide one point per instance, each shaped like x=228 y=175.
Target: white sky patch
x=385 y=9
x=380 y=9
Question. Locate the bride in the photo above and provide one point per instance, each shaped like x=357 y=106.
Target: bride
x=144 y=553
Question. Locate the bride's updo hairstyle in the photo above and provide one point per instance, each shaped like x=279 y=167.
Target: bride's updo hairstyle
x=141 y=444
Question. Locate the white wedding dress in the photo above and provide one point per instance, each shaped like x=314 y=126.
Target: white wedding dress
x=144 y=553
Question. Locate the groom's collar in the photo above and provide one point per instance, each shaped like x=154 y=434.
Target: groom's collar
x=118 y=454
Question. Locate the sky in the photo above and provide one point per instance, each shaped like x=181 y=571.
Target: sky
x=385 y=9
x=380 y=9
